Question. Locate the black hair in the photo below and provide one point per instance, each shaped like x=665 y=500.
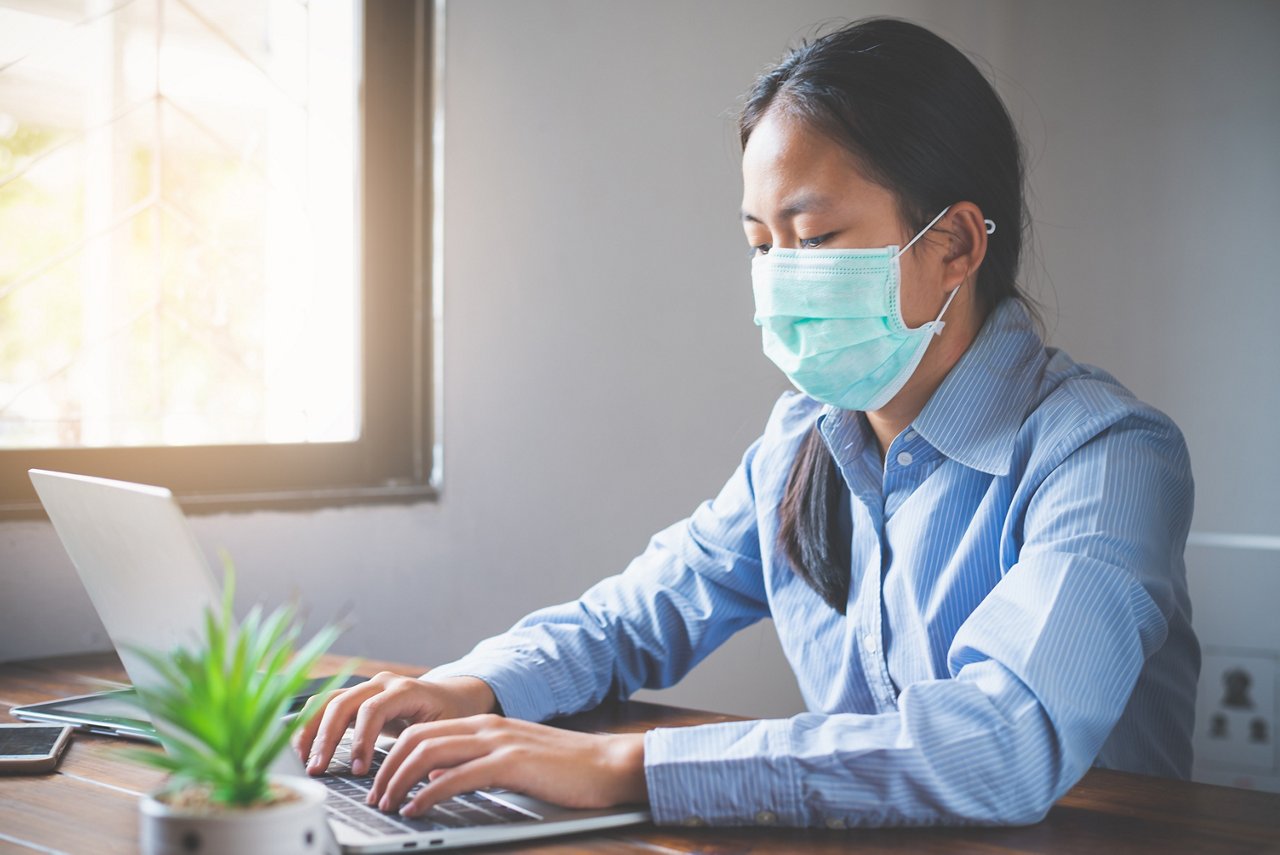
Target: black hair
x=922 y=121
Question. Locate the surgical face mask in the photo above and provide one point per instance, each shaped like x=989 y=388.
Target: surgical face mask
x=832 y=321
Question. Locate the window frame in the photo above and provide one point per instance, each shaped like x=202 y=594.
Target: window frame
x=395 y=458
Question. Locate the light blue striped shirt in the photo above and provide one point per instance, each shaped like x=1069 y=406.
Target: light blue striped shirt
x=1017 y=610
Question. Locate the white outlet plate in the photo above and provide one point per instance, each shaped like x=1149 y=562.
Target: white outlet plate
x=1236 y=710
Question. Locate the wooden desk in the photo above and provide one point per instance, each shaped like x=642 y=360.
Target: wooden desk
x=89 y=804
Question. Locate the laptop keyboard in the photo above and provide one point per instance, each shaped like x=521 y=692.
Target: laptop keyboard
x=345 y=803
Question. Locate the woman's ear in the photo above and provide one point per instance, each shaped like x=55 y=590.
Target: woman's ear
x=967 y=233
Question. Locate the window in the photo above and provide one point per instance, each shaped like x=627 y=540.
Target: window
x=215 y=219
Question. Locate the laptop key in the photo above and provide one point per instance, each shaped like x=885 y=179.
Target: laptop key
x=384 y=825
x=422 y=823
x=463 y=811
x=508 y=813
x=469 y=815
x=364 y=818
x=356 y=821
x=350 y=822
x=359 y=812
x=346 y=788
x=445 y=818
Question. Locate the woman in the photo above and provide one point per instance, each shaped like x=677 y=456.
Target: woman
x=971 y=545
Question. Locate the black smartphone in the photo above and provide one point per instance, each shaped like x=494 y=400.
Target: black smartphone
x=27 y=748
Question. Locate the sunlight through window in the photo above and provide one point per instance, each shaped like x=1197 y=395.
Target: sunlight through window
x=178 y=235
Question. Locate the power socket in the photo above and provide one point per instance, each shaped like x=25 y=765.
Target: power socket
x=1236 y=710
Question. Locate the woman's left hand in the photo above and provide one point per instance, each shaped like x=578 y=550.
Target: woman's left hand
x=579 y=770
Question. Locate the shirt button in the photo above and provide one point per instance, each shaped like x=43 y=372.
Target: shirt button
x=835 y=822
x=904 y=458
x=694 y=821
x=766 y=817
x=910 y=435
x=869 y=643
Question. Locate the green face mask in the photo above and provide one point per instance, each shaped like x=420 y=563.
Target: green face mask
x=832 y=321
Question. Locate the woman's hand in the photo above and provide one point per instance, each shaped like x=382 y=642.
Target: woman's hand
x=579 y=770
x=374 y=704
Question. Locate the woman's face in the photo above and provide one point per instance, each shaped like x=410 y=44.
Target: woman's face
x=802 y=190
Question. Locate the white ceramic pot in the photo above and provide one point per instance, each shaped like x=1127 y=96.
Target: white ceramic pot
x=295 y=828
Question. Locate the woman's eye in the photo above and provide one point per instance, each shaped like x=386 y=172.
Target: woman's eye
x=810 y=243
x=761 y=249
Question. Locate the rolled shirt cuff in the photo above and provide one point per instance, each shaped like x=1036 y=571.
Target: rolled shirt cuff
x=735 y=773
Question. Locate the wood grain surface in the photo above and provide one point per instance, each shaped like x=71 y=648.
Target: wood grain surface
x=89 y=805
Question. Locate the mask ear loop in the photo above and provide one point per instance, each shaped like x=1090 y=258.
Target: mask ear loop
x=921 y=233
x=938 y=323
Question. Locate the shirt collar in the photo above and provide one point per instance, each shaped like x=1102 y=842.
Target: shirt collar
x=975 y=415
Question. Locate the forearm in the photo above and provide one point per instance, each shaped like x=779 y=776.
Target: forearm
x=643 y=628
x=1032 y=697
x=542 y=667
x=952 y=758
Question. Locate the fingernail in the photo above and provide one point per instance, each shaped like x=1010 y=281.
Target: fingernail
x=407 y=813
x=313 y=764
x=384 y=805
x=358 y=767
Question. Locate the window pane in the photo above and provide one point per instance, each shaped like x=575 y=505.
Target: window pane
x=177 y=223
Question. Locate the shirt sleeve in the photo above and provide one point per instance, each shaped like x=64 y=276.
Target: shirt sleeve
x=696 y=584
x=1040 y=673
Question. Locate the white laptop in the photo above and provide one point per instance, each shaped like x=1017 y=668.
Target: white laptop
x=149 y=583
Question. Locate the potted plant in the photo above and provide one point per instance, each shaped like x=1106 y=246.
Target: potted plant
x=219 y=709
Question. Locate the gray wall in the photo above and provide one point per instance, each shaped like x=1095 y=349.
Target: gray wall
x=603 y=376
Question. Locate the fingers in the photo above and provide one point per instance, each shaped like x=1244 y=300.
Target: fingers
x=474 y=775
x=306 y=735
x=396 y=699
x=340 y=708
x=460 y=755
x=435 y=753
x=418 y=735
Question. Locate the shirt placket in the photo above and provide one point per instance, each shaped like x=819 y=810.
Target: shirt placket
x=868 y=621
x=899 y=474
x=868 y=611
x=844 y=436
x=907 y=463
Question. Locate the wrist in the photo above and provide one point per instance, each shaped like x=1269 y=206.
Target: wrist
x=625 y=752
x=470 y=695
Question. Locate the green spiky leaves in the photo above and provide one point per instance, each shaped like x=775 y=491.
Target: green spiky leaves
x=219 y=708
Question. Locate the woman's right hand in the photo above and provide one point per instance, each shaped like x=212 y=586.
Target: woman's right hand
x=374 y=704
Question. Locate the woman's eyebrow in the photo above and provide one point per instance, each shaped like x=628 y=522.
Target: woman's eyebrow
x=804 y=204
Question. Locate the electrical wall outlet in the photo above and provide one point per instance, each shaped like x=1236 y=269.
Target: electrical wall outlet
x=1236 y=710
x=1234 y=589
